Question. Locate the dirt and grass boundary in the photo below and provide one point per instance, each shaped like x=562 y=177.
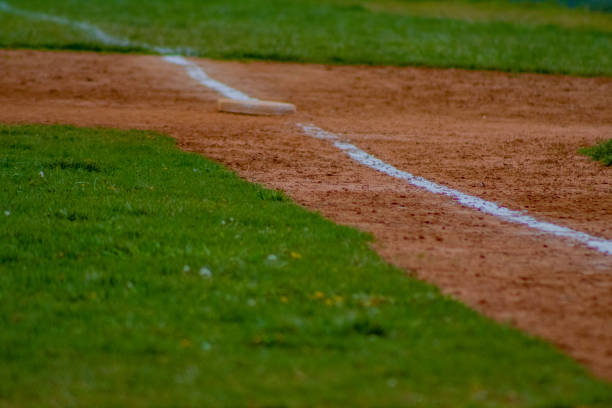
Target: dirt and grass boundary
x=174 y=275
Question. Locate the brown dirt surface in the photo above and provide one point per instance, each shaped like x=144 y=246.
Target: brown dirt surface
x=507 y=138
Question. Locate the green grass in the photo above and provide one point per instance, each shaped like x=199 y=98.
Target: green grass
x=107 y=240
x=601 y=152
x=469 y=34
x=522 y=12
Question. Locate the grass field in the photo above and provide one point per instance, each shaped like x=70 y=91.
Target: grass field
x=469 y=34
x=134 y=274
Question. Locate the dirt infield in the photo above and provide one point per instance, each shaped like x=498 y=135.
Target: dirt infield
x=503 y=137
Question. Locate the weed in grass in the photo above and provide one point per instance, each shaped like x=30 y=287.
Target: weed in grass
x=271 y=195
x=134 y=274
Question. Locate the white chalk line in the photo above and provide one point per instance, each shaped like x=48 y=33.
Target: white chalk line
x=92 y=31
x=360 y=156
x=171 y=55
x=466 y=200
x=199 y=75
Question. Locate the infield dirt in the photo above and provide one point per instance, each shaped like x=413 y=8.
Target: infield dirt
x=507 y=138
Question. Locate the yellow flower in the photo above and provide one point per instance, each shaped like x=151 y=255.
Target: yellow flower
x=295 y=255
x=284 y=299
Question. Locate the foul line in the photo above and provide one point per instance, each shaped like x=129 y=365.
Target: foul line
x=171 y=55
x=92 y=30
x=199 y=75
x=360 y=156
x=466 y=200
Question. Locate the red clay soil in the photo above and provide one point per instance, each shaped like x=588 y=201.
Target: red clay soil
x=503 y=137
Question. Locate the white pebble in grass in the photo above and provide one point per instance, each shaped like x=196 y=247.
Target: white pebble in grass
x=205 y=272
x=7 y=213
x=186 y=268
x=42 y=173
x=272 y=258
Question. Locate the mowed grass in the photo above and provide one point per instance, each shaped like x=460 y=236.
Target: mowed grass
x=468 y=34
x=527 y=12
x=134 y=274
x=601 y=152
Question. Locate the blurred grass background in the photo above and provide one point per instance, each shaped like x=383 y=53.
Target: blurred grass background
x=502 y=35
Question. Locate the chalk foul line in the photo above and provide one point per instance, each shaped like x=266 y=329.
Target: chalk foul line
x=466 y=200
x=172 y=56
x=92 y=30
x=199 y=75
